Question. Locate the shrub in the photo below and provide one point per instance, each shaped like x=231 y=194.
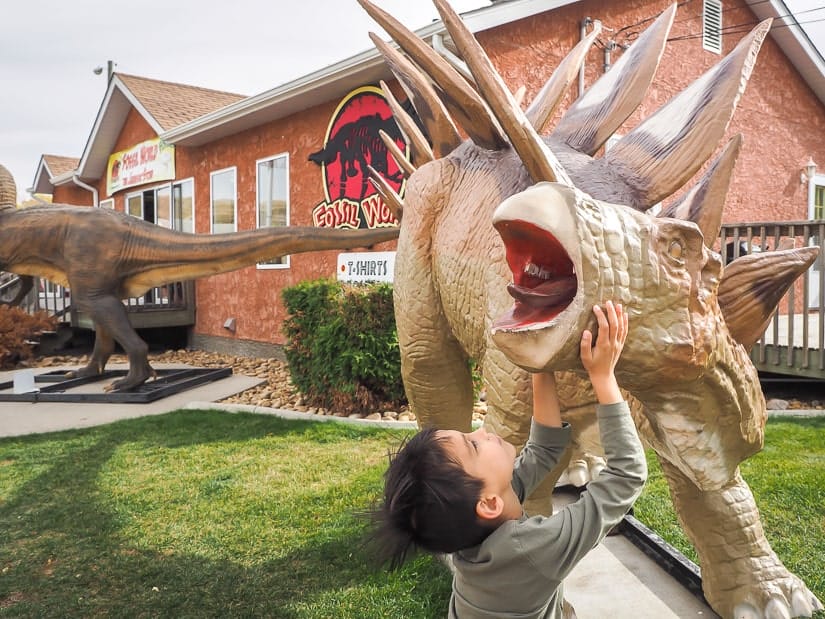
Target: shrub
x=17 y=328
x=343 y=347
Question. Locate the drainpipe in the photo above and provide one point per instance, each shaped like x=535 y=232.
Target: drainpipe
x=457 y=63
x=80 y=183
x=585 y=23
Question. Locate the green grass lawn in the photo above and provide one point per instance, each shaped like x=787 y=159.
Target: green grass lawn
x=206 y=514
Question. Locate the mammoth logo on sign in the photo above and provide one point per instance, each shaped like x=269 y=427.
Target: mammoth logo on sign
x=351 y=144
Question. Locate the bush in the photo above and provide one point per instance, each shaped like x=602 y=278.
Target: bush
x=343 y=347
x=17 y=328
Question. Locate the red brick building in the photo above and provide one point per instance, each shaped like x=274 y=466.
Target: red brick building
x=220 y=161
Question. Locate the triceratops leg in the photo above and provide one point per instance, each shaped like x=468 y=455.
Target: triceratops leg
x=741 y=574
x=434 y=367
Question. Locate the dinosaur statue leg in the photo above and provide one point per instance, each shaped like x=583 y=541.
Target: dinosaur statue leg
x=741 y=574
x=103 y=349
x=112 y=321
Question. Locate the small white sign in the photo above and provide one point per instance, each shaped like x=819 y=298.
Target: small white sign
x=23 y=381
x=371 y=266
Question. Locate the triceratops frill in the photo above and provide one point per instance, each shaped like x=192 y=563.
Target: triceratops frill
x=579 y=237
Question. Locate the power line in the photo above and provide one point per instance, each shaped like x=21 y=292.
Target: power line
x=746 y=27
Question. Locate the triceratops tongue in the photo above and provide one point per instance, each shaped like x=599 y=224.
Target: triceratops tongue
x=547 y=294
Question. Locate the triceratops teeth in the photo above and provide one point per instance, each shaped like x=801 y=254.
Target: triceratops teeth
x=537 y=271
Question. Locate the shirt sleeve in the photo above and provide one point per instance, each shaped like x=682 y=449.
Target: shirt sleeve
x=555 y=544
x=545 y=447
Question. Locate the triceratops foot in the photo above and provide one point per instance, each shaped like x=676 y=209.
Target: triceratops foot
x=137 y=375
x=581 y=471
x=782 y=599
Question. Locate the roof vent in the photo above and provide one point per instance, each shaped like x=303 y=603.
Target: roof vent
x=712 y=26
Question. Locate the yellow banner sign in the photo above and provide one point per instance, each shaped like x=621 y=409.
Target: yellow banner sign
x=147 y=162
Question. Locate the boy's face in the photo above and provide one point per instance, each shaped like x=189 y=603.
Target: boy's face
x=483 y=455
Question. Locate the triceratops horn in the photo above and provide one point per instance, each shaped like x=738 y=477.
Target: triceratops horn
x=464 y=103
x=551 y=94
x=662 y=153
x=752 y=286
x=407 y=168
x=421 y=151
x=601 y=110
x=391 y=199
x=704 y=203
x=540 y=162
x=437 y=122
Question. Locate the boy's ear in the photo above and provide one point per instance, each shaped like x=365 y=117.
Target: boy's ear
x=490 y=507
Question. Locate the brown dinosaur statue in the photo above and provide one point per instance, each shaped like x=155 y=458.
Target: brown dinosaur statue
x=579 y=237
x=105 y=256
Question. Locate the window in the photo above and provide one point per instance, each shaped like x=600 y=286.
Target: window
x=110 y=203
x=273 y=198
x=183 y=199
x=712 y=26
x=223 y=201
x=134 y=205
x=818 y=202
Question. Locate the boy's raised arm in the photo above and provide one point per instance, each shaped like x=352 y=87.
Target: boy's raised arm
x=546 y=410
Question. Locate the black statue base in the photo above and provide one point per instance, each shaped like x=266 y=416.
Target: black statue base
x=55 y=387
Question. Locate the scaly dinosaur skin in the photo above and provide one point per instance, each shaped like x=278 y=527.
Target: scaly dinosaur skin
x=695 y=393
x=105 y=256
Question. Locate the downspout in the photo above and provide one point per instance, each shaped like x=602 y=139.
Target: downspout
x=80 y=183
x=457 y=63
x=585 y=23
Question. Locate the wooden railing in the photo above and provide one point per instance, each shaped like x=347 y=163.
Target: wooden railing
x=171 y=305
x=794 y=341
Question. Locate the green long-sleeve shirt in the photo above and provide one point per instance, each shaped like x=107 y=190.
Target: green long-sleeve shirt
x=518 y=570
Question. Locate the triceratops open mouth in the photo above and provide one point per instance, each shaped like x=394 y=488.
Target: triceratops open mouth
x=544 y=277
x=541 y=246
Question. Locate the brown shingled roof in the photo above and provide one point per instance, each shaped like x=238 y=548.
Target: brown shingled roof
x=173 y=104
x=58 y=165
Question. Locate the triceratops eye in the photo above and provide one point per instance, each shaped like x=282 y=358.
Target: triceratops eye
x=676 y=249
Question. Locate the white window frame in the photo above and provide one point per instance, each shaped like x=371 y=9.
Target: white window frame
x=108 y=203
x=212 y=175
x=286 y=259
x=817 y=181
x=126 y=203
x=712 y=26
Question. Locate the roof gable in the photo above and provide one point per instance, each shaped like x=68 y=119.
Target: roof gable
x=164 y=106
x=50 y=168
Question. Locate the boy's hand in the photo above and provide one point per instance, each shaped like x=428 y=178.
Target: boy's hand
x=600 y=360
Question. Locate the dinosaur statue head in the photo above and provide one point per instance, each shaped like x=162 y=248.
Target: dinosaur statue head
x=568 y=252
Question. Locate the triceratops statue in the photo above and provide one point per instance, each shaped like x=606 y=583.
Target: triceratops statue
x=575 y=232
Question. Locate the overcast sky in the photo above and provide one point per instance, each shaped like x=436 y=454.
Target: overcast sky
x=49 y=48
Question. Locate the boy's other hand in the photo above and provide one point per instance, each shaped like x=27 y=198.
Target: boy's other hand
x=600 y=359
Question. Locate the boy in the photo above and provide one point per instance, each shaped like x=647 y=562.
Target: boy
x=451 y=492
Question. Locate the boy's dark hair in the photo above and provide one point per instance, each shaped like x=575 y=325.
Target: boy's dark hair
x=429 y=502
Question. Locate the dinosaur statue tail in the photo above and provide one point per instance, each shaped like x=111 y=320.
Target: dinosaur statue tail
x=174 y=256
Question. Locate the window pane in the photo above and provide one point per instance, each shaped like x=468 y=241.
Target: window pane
x=182 y=194
x=273 y=192
x=163 y=206
x=819 y=202
x=223 y=201
x=134 y=206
